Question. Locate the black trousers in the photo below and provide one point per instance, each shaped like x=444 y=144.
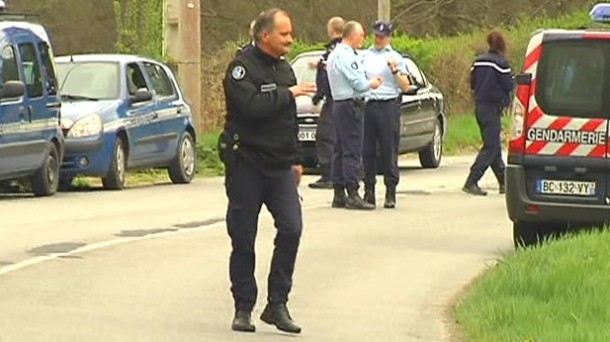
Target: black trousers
x=348 y=118
x=381 y=129
x=248 y=188
x=489 y=119
x=325 y=139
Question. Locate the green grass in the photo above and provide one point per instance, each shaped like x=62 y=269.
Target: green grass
x=556 y=292
x=463 y=134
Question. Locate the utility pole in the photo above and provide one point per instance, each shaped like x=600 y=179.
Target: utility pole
x=383 y=10
x=182 y=45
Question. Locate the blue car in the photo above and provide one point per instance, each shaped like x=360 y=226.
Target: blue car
x=122 y=112
x=31 y=141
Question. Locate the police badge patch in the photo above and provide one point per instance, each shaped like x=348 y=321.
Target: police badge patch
x=355 y=66
x=238 y=72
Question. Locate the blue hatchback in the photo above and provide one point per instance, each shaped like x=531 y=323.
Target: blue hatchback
x=122 y=112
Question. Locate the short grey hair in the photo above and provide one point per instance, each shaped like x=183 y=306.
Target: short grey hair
x=266 y=22
x=349 y=28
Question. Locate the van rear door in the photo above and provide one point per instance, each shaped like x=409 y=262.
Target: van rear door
x=567 y=125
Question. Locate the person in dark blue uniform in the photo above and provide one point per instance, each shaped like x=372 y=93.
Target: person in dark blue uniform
x=382 y=114
x=348 y=84
x=325 y=131
x=259 y=149
x=492 y=83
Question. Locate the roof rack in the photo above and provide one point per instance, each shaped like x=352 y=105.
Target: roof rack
x=16 y=16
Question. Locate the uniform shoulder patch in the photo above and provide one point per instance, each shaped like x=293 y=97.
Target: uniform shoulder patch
x=355 y=65
x=238 y=72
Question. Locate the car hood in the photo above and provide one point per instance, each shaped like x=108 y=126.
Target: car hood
x=305 y=105
x=74 y=110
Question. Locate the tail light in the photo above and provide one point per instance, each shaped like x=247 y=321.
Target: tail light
x=520 y=108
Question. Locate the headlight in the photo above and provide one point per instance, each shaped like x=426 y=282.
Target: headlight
x=89 y=125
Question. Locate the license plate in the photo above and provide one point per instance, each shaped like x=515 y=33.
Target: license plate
x=565 y=187
x=307 y=134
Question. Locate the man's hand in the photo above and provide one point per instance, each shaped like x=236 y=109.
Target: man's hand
x=376 y=82
x=392 y=64
x=303 y=89
x=298 y=173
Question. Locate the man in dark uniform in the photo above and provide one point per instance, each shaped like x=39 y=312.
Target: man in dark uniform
x=348 y=84
x=325 y=132
x=259 y=149
x=492 y=82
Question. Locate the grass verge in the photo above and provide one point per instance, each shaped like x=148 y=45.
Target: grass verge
x=463 y=135
x=556 y=292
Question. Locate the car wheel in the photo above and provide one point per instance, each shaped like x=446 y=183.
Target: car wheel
x=431 y=155
x=526 y=234
x=115 y=179
x=45 y=181
x=182 y=168
x=65 y=182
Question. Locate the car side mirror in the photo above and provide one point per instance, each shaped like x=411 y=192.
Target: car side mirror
x=523 y=79
x=12 y=89
x=141 y=95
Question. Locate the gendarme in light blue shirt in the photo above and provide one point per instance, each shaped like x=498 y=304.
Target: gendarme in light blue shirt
x=376 y=64
x=346 y=74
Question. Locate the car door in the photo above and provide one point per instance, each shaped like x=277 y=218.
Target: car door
x=141 y=118
x=13 y=146
x=170 y=121
x=420 y=118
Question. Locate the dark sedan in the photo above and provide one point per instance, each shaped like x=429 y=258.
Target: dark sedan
x=422 y=122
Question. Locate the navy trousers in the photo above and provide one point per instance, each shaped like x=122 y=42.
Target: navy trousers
x=381 y=134
x=347 y=118
x=325 y=139
x=248 y=188
x=489 y=119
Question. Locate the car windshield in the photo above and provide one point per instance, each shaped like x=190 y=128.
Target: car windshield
x=89 y=80
x=303 y=69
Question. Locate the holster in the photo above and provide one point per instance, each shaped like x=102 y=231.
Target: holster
x=228 y=147
x=359 y=108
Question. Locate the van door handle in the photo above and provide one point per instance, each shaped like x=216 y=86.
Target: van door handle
x=581 y=170
x=550 y=169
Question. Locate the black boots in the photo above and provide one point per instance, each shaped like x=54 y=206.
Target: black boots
x=242 y=321
x=322 y=183
x=277 y=314
x=390 y=197
x=369 y=194
x=339 y=199
x=354 y=201
x=474 y=189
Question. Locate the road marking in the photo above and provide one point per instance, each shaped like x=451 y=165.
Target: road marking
x=115 y=242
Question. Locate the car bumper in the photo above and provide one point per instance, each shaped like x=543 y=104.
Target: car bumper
x=89 y=157
x=521 y=208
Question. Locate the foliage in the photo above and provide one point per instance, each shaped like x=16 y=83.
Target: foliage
x=140 y=27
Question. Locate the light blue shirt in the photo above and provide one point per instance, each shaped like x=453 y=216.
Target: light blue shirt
x=376 y=64
x=346 y=74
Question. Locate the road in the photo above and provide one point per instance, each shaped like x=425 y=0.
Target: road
x=151 y=263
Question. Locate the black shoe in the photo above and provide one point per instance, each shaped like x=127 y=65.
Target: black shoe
x=474 y=190
x=242 y=322
x=502 y=190
x=321 y=183
x=355 y=202
x=339 y=198
x=369 y=195
x=277 y=314
x=390 y=198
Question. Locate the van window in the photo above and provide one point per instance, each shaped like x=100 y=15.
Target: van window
x=10 y=71
x=573 y=77
x=48 y=68
x=31 y=69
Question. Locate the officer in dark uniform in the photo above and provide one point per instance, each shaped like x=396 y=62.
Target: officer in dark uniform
x=325 y=132
x=348 y=84
x=382 y=115
x=492 y=82
x=259 y=149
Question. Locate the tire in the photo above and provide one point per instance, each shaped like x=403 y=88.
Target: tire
x=527 y=234
x=430 y=157
x=46 y=180
x=65 y=182
x=182 y=168
x=117 y=174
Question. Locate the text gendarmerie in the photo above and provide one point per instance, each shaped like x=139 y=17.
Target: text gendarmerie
x=566 y=136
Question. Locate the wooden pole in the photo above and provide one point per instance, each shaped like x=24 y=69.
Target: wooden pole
x=383 y=10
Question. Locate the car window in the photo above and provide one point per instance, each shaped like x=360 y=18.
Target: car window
x=96 y=80
x=31 y=69
x=572 y=78
x=414 y=70
x=160 y=81
x=303 y=69
x=10 y=70
x=135 y=79
x=48 y=68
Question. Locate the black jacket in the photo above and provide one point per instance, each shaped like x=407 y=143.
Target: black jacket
x=491 y=79
x=322 y=85
x=261 y=111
